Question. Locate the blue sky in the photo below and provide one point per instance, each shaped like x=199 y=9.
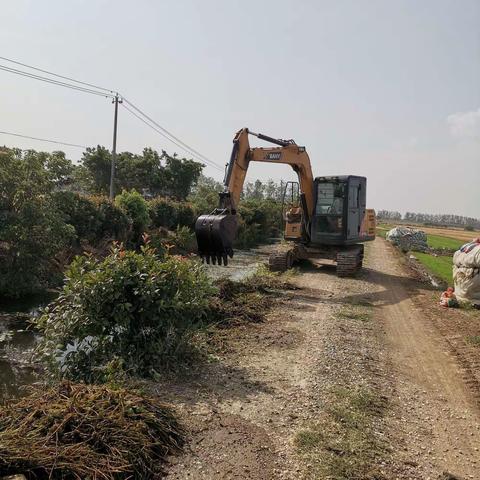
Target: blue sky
x=387 y=89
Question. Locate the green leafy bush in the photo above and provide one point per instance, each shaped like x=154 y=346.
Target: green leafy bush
x=183 y=239
x=129 y=306
x=94 y=218
x=115 y=223
x=79 y=212
x=162 y=212
x=169 y=214
x=260 y=220
x=135 y=206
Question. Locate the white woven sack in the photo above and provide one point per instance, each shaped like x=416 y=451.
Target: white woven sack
x=466 y=274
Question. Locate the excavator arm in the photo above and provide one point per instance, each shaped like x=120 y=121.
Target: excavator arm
x=216 y=232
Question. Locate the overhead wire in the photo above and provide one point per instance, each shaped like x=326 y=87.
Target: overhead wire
x=43 y=139
x=55 y=82
x=209 y=162
x=166 y=132
x=56 y=74
x=107 y=93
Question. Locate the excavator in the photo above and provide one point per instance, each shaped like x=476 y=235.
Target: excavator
x=326 y=220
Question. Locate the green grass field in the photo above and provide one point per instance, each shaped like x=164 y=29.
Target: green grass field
x=382 y=231
x=440 y=267
x=436 y=241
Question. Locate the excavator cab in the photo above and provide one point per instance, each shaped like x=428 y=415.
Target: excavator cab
x=340 y=216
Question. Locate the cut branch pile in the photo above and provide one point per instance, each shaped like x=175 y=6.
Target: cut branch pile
x=247 y=301
x=78 y=431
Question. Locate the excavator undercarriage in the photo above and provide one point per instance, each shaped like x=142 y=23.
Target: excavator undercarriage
x=348 y=260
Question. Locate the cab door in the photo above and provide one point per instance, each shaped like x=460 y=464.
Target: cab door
x=356 y=206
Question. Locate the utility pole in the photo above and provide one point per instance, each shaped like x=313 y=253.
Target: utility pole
x=116 y=101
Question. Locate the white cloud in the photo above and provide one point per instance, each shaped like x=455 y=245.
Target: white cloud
x=465 y=124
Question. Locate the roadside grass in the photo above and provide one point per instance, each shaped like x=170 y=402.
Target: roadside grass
x=474 y=340
x=344 y=444
x=382 y=231
x=349 y=313
x=440 y=266
x=437 y=241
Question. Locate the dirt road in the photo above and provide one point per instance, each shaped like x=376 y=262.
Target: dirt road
x=269 y=406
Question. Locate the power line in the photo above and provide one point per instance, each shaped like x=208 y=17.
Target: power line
x=185 y=145
x=56 y=75
x=212 y=164
x=44 y=140
x=54 y=82
x=149 y=121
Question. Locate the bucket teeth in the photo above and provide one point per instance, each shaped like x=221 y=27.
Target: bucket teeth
x=215 y=234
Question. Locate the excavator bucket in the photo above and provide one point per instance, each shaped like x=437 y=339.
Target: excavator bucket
x=215 y=234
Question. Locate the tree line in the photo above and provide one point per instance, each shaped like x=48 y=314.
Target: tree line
x=430 y=219
x=52 y=209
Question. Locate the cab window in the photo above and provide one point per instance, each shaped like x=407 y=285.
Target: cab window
x=330 y=199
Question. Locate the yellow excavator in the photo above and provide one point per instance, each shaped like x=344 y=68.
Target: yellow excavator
x=327 y=219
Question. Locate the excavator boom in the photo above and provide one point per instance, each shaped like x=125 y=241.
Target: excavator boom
x=216 y=231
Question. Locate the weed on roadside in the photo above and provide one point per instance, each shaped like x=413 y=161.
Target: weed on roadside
x=474 y=340
x=343 y=444
x=362 y=314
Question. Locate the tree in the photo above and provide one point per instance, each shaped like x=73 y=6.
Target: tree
x=32 y=230
x=180 y=175
x=148 y=173
x=204 y=196
x=97 y=165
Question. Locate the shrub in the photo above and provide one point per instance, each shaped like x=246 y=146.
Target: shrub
x=259 y=221
x=135 y=206
x=115 y=223
x=169 y=213
x=185 y=215
x=94 y=218
x=32 y=235
x=162 y=212
x=80 y=212
x=183 y=239
x=129 y=306
x=469 y=228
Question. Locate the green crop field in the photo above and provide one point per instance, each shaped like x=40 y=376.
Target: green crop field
x=440 y=267
x=437 y=241
x=382 y=230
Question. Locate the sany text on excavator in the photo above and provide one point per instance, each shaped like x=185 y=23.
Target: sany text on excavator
x=328 y=219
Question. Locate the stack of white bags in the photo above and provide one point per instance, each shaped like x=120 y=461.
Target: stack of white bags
x=466 y=272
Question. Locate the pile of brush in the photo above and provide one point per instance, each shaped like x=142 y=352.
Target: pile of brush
x=78 y=431
x=248 y=300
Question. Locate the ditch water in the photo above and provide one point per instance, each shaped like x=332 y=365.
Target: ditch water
x=18 y=338
x=17 y=342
